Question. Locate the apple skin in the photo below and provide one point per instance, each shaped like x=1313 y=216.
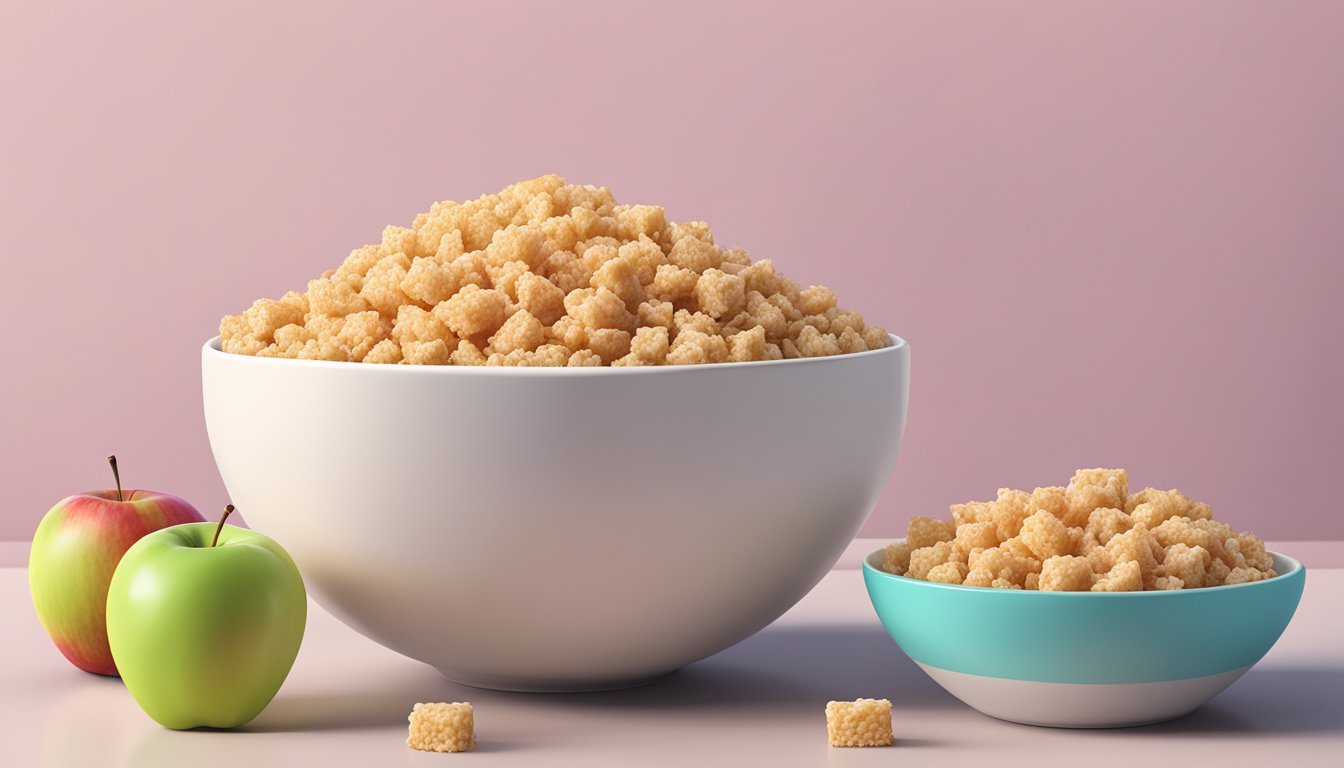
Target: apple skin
x=75 y=551
x=205 y=636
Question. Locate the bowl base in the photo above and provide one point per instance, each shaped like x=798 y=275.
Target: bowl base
x=1082 y=705
x=516 y=685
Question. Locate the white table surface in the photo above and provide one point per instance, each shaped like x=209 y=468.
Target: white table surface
x=760 y=702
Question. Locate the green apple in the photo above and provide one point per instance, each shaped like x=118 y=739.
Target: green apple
x=204 y=622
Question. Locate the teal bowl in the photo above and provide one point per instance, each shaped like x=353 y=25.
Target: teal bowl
x=1084 y=659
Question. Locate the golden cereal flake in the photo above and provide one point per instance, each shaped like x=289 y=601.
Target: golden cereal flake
x=859 y=723
x=442 y=727
x=521 y=332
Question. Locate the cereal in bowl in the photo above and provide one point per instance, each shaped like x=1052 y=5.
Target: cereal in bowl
x=1091 y=535
x=546 y=273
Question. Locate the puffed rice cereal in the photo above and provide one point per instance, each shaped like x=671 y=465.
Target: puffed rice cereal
x=1093 y=535
x=546 y=273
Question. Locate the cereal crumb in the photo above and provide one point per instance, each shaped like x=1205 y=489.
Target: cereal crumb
x=859 y=723
x=441 y=727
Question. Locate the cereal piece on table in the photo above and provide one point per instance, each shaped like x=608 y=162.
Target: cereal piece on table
x=1046 y=536
x=442 y=727
x=1122 y=577
x=1189 y=564
x=521 y=331
x=971 y=536
x=971 y=512
x=897 y=558
x=1093 y=488
x=859 y=723
x=948 y=573
x=927 y=531
x=1105 y=522
x=925 y=559
x=1009 y=510
x=386 y=352
x=1065 y=573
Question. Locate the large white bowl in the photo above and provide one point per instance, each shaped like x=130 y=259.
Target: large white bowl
x=557 y=528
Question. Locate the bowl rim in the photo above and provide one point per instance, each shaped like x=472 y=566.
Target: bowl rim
x=211 y=349
x=1295 y=567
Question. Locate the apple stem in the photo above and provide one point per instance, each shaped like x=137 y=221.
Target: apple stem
x=228 y=510
x=116 y=475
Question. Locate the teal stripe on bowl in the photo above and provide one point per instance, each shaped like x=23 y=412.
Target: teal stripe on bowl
x=1085 y=637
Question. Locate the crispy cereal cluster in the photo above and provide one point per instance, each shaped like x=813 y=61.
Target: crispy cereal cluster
x=442 y=727
x=1092 y=535
x=859 y=723
x=549 y=274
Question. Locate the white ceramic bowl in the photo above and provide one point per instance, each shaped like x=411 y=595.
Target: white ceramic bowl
x=553 y=528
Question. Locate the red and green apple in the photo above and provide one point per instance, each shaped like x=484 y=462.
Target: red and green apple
x=76 y=550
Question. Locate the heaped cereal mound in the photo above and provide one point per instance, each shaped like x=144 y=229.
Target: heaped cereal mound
x=1090 y=535
x=554 y=274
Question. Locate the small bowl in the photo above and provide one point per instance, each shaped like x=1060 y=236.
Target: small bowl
x=1084 y=659
x=552 y=529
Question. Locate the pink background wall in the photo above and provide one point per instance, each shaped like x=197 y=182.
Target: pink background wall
x=1112 y=232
